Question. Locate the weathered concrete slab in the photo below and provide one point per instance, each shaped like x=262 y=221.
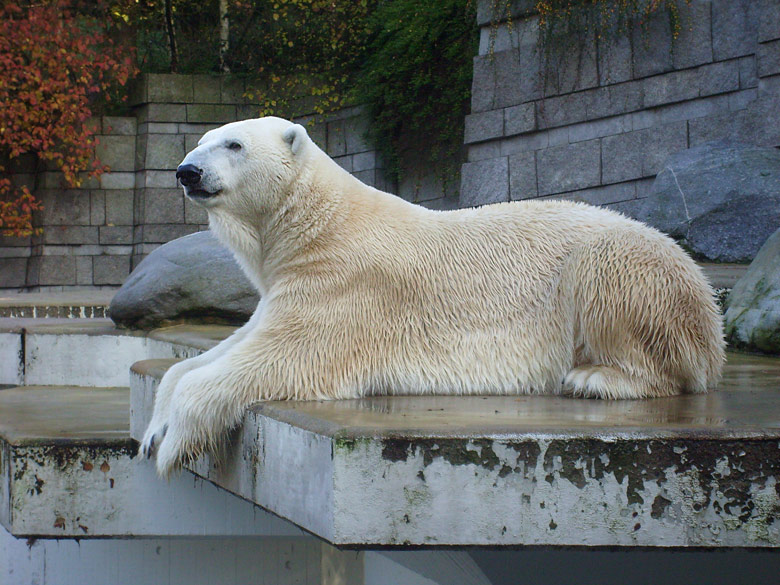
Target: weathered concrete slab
x=71 y=304
x=90 y=352
x=689 y=471
x=68 y=468
x=723 y=275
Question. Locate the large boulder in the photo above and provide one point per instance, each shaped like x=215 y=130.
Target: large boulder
x=753 y=315
x=192 y=278
x=720 y=200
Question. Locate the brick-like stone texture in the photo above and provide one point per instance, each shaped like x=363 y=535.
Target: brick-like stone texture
x=117 y=181
x=165 y=88
x=206 y=89
x=163 y=206
x=125 y=125
x=484 y=182
x=519 y=119
x=13 y=272
x=652 y=47
x=162 y=113
x=641 y=153
x=116 y=235
x=769 y=58
x=734 y=28
x=602 y=139
x=161 y=233
x=615 y=60
x=97 y=207
x=522 y=176
x=748 y=76
x=769 y=20
x=571 y=69
x=52 y=270
x=70 y=234
x=70 y=207
x=164 y=151
x=484 y=126
x=84 y=270
x=110 y=270
x=568 y=167
x=693 y=46
x=215 y=113
x=119 y=207
x=337 y=140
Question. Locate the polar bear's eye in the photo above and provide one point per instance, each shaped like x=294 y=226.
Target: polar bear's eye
x=234 y=146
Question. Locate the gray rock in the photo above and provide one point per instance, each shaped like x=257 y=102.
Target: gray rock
x=193 y=278
x=753 y=315
x=719 y=200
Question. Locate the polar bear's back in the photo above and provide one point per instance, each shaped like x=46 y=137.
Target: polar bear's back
x=469 y=295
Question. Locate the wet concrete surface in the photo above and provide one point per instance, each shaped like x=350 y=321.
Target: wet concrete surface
x=202 y=337
x=747 y=403
x=54 y=414
x=723 y=275
x=62 y=326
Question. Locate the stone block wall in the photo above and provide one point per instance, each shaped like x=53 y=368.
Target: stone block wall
x=596 y=124
x=95 y=235
x=87 y=235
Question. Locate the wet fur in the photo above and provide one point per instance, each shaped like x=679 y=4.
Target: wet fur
x=364 y=293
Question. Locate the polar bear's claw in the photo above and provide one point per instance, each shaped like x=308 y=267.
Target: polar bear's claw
x=152 y=439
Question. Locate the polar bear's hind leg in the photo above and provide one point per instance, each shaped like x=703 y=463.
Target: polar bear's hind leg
x=608 y=382
x=644 y=318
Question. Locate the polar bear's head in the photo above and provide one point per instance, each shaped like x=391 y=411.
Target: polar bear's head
x=245 y=167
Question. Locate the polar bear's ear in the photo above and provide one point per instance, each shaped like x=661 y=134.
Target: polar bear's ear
x=295 y=136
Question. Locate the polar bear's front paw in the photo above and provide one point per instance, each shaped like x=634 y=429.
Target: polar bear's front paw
x=153 y=436
x=170 y=456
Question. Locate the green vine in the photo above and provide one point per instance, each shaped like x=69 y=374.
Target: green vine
x=559 y=19
x=416 y=82
x=408 y=61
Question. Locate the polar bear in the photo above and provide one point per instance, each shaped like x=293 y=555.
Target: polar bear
x=363 y=293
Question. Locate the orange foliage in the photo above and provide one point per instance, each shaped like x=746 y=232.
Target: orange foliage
x=54 y=63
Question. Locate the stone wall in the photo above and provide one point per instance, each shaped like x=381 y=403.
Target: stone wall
x=87 y=235
x=597 y=123
x=94 y=235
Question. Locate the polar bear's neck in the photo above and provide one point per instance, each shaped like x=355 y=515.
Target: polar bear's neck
x=266 y=244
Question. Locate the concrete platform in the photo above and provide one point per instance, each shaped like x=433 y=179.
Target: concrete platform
x=723 y=275
x=63 y=351
x=68 y=468
x=689 y=471
x=67 y=304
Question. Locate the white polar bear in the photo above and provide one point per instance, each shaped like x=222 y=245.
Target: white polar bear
x=364 y=293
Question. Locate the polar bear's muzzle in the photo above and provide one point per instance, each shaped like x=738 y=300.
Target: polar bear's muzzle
x=191 y=177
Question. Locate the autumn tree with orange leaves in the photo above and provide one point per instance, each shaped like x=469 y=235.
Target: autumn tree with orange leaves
x=55 y=63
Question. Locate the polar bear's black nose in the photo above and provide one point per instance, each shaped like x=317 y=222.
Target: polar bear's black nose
x=189 y=174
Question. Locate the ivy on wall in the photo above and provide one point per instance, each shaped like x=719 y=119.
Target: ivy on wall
x=55 y=59
x=408 y=61
x=416 y=80
x=568 y=19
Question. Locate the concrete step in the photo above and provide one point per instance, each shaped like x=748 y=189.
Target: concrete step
x=723 y=275
x=68 y=468
x=687 y=471
x=90 y=352
x=79 y=304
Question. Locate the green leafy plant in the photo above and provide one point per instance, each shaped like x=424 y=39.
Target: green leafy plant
x=54 y=63
x=559 y=19
x=416 y=80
